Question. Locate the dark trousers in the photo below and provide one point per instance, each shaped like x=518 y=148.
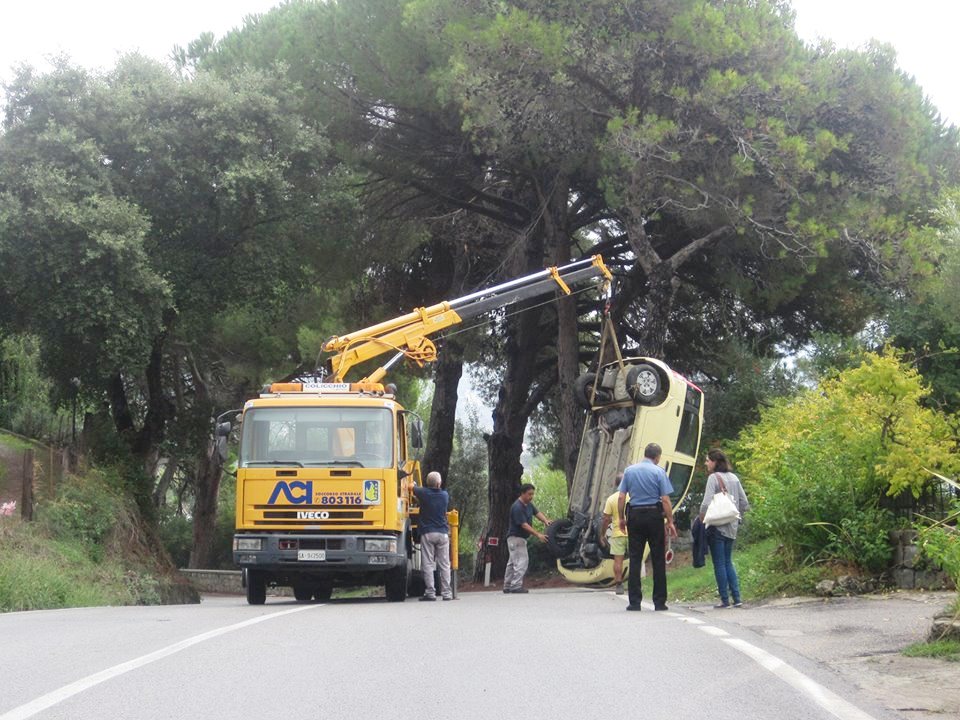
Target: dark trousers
x=646 y=526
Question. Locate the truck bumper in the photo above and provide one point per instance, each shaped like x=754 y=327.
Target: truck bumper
x=318 y=555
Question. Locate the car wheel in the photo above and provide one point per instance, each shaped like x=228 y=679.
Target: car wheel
x=560 y=540
x=644 y=384
x=583 y=390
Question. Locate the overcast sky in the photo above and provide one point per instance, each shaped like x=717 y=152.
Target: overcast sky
x=93 y=33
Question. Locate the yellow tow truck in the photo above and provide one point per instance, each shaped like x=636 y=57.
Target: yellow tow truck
x=327 y=467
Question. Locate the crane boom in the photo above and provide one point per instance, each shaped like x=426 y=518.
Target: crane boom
x=408 y=334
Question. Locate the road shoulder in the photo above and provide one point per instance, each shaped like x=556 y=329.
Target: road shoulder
x=862 y=638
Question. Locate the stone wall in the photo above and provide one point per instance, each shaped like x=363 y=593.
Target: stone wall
x=226 y=582
x=909 y=570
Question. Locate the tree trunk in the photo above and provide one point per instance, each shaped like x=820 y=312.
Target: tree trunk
x=443 y=411
x=207 y=480
x=570 y=415
x=207 y=489
x=515 y=402
x=163 y=484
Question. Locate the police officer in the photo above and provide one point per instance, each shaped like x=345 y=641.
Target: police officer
x=649 y=489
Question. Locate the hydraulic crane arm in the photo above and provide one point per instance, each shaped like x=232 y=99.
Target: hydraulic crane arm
x=408 y=334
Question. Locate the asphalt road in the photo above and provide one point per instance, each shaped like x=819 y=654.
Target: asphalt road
x=550 y=654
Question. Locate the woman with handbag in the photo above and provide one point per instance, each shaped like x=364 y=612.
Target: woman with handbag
x=724 y=502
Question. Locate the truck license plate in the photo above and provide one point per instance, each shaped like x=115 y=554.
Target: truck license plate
x=311 y=554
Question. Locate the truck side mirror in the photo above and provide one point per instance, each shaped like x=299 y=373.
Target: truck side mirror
x=416 y=434
x=221 y=431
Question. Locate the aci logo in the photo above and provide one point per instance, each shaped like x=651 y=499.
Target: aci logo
x=371 y=491
x=297 y=492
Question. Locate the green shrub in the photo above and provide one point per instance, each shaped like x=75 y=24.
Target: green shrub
x=816 y=466
x=85 y=509
x=551 y=495
x=862 y=539
x=551 y=500
x=941 y=544
x=176 y=534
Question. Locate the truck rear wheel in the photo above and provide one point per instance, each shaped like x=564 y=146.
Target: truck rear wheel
x=303 y=593
x=322 y=593
x=396 y=585
x=256 y=588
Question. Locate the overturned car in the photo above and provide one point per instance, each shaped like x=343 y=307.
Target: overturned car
x=630 y=403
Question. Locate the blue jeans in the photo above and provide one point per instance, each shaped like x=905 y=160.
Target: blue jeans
x=721 y=550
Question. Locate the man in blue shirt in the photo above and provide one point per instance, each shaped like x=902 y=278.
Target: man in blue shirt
x=522 y=513
x=649 y=489
x=434 y=536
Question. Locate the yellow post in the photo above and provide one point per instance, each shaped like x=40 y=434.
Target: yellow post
x=453 y=518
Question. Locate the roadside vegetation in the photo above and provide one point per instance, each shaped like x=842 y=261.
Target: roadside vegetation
x=87 y=546
x=942 y=649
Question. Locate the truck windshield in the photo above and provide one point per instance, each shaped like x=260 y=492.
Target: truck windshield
x=316 y=437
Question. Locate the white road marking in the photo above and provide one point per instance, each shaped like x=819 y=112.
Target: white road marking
x=68 y=691
x=829 y=701
x=716 y=632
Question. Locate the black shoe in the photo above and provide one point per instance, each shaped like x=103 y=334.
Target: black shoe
x=520 y=591
x=636 y=607
x=660 y=607
x=428 y=598
x=721 y=606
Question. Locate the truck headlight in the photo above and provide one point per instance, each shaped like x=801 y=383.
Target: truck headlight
x=387 y=545
x=248 y=543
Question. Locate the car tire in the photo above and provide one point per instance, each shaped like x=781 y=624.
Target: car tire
x=645 y=384
x=558 y=541
x=302 y=593
x=583 y=389
x=322 y=593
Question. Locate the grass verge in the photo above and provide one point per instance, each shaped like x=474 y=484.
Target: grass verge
x=761 y=570
x=14 y=443
x=88 y=547
x=943 y=649
x=38 y=572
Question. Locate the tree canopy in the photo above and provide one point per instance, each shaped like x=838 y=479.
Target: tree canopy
x=176 y=235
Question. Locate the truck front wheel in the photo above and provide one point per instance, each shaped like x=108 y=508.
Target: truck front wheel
x=396 y=585
x=256 y=588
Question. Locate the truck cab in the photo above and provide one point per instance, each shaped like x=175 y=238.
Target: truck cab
x=324 y=490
